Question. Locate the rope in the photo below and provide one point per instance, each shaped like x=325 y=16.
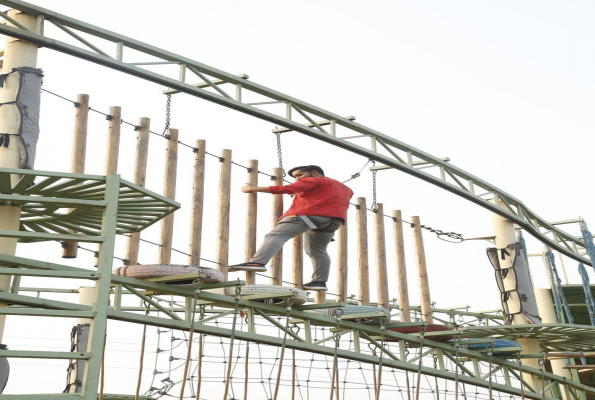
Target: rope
x=246 y=371
x=421 y=346
x=358 y=174
x=231 y=341
x=379 y=380
x=457 y=346
x=142 y=355
x=335 y=374
x=190 y=336
x=288 y=308
x=200 y=355
x=589 y=300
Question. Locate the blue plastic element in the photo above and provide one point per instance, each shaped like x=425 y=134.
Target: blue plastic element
x=588 y=294
x=559 y=298
x=589 y=245
x=497 y=344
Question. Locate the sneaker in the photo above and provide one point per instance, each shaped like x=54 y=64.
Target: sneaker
x=248 y=266
x=321 y=286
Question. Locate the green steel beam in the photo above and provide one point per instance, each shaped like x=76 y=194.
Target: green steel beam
x=58 y=355
x=512 y=209
x=41 y=312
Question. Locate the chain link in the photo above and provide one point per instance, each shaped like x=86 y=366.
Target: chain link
x=280 y=153
x=167 y=116
x=374 y=203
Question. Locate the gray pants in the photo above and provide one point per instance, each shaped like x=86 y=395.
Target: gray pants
x=315 y=242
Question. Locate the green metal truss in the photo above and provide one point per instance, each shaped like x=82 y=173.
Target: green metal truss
x=380 y=147
x=107 y=195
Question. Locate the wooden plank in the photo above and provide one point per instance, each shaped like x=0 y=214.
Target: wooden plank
x=197 y=203
x=224 y=202
x=362 y=251
x=276 y=263
x=403 y=288
x=251 y=214
x=169 y=191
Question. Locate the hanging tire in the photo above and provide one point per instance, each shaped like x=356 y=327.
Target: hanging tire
x=249 y=290
x=158 y=270
x=354 y=310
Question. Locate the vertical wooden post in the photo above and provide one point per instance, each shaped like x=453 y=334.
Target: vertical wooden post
x=362 y=251
x=298 y=261
x=319 y=297
x=139 y=176
x=401 y=266
x=342 y=263
x=198 y=192
x=113 y=140
x=113 y=143
x=382 y=275
x=424 y=284
x=79 y=146
x=251 y=214
x=223 y=219
x=277 y=260
x=169 y=191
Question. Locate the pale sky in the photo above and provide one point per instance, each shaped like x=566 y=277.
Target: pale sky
x=505 y=89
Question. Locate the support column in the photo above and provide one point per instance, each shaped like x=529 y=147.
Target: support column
x=169 y=191
x=362 y=251
x=198 y=194
x=505 y=235
x=545 y=305
x=17 y=53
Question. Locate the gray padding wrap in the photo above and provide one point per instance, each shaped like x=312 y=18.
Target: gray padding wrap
x=4 y=369
x=523 y=289
x=27 y=103
x=76 y=370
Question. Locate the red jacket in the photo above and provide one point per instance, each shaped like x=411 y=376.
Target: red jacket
x=322 y=196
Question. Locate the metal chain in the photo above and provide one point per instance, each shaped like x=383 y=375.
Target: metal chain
x=167 y=116
x=374 y=203
x=280 y=153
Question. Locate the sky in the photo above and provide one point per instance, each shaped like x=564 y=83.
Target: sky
x=504 y=89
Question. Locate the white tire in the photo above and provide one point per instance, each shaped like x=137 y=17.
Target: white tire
x=249 y=290
x=354 y=310
x=159 y=270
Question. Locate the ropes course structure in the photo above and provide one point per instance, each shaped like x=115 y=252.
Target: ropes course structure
x=222 y=338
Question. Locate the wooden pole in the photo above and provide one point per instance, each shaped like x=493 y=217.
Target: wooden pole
x=298 y=261
x=113 y=144
x=277 y=260
x=422 y=268
x=197 y=204
x=251 y=214
x=139 y=176
x=223 y=219
x=342 y=263
x=381 y=274
x=362 y=251
x=113 y=140
x=77 y=165
x=401 y=266
x=169 y=191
